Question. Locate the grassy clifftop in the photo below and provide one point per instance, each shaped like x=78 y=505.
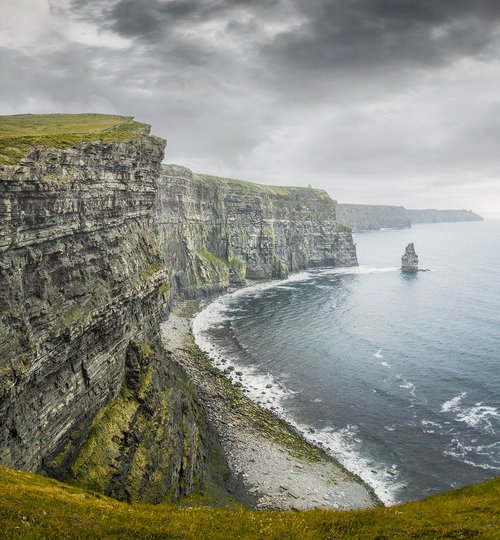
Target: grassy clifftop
x=34 y=507
x=20 y=133
x=259 y=189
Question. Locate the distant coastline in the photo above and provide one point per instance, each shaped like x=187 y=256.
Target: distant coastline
x=372 y=217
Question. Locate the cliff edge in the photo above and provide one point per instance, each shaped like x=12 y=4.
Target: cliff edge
x=97 y=241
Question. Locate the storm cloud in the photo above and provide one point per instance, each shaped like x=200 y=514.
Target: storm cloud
x=378 y=101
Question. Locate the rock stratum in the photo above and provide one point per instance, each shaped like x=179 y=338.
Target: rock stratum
x=97 y=241
x=409 y=260
x=367 y=217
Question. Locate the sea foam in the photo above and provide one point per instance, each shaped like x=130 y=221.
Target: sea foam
x=262 y=388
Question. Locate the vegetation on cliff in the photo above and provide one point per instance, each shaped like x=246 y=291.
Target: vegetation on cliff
x=33 y=507
x=259 y=189
x=22 y=133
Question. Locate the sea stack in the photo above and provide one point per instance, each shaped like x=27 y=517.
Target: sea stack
x=409 y=260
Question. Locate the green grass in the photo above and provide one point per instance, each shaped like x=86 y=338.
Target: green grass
x=149 y=271
x=259 y=189
x=34 y=507
x=20 y=134
x=211 y=259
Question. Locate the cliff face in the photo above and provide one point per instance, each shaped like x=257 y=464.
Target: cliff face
x=97 y=239
x=366 y=217
x=217 y=231
x=83 y=287
x=440 y=216
x=71 y=222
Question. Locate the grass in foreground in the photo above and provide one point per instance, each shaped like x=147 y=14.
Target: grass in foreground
x=21 y=133
x=34 y=507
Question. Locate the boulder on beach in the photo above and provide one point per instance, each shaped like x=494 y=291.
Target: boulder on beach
x=409 y=260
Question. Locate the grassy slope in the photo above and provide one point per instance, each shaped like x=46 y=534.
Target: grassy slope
x=33 y=507
x=20 y=133
x=258 y=189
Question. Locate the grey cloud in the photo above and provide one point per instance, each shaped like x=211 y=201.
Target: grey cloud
x=375 y=100
x=370 y=34
x=154 y=19
x=147 y=19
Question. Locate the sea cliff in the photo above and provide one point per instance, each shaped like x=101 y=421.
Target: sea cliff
x=98 y=240
x=366 y=217
x=218 y=231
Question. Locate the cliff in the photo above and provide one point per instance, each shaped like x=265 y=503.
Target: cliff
x=439 y=216
x=97 y=240
x=366 y=217
x=217 y=231
x=87 y=392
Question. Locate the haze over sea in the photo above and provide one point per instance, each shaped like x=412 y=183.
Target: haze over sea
x=395 y=375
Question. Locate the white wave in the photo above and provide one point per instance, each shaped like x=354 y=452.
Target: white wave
x=472 y=455
x=378 y=354
x=452 y=404
x=409 y=386
x=385 y=364
x=406 y=384
x=477 y=415
x=345 y=445
x=271 y=394
x=431 y=423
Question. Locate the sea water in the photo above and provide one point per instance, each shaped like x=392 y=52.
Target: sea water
x=397 y=376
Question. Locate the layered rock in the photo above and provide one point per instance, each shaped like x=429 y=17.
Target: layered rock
x=367 y=217
x=409 y=260
x=82 y=280
x=97 y=240
x=217 y=231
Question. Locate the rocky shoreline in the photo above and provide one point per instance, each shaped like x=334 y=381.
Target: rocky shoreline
x=276 y=467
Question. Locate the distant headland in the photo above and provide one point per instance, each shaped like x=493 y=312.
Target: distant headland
x=370 y=217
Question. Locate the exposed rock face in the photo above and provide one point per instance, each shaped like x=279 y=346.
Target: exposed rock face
x=96 y=241
x=81 y=280
x=440 y=216
x=217 y=231
x=366 y=217
x=409 y=260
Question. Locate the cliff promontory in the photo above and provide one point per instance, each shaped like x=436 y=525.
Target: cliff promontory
x=97 y=241
x=87 y=392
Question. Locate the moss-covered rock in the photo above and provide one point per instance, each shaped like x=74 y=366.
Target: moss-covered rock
x=151 y=443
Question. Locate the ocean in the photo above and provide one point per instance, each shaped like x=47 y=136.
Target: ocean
x=397 y=376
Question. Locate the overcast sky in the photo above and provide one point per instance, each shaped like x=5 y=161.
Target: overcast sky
x=378 y=101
